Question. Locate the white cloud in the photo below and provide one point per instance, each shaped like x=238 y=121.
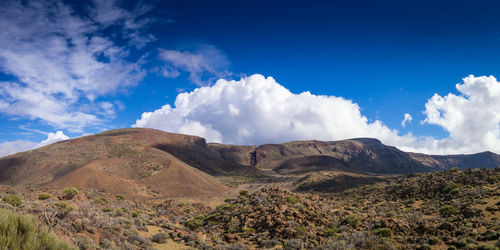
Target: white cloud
x=407 y=119
x=60 y=60
x=12 y=147
x=471 y=118
x=257 y=110
x=54 y=137
x=204 y=65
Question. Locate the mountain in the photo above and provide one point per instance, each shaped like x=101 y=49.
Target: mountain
x=147 y=163
x=119 y=161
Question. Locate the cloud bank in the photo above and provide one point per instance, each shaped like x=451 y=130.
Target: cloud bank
x=12 y=147
x=58 y=63
x=471 y=118
x=257 y=110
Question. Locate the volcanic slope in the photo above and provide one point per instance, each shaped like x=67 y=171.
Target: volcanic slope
x=360 y=155
x=124 y=161
x=147 y=162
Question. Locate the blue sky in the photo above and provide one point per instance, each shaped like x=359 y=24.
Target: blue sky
x=82 y=68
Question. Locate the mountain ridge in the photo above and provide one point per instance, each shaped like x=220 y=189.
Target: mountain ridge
x=149 y=163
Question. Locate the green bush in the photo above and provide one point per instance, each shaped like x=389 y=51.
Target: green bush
x=195 y=222
x=448 y=210
x=101 y=200
x=331 y=231
x=383 y=232
x=44 y=196
x=433 y=240
x=106 y=209
x=450 y=187
x=24 y=232
x=455 y=191
x=12 y=199
x=243 y=192
x=351 y=220
x=293 y=199
x=63 y=208
x=69 y=193
x=486 y=247
x=120 y=197
x=492 y=208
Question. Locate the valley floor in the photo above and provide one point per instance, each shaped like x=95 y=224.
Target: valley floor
x=440 y=210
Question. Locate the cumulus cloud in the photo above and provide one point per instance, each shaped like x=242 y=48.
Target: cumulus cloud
x=54 y=137
x=203 y=65
x=12 y=147
x=407 y=119
x=472 y=118
x=59 y=60
x=257 y=110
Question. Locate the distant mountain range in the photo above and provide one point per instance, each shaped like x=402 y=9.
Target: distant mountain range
x=147 y=162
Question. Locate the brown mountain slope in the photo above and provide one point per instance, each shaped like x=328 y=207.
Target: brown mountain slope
x=484 y=159
x=356 y=155
x=120 y=161
x=143 y=162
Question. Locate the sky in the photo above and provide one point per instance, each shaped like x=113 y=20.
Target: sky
x=418 y=75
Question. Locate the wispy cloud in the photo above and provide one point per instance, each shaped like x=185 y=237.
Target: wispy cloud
x=62 y=61
x=407 y=119
x=204 y=65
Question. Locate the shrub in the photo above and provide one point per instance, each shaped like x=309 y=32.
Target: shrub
x=12 y=199
x=120 y=197
x=455 y=191
x=351 y=220
x=247 y=231
x=243 y=192
x=106 y=209
x=433 y=240
x=492 y=208
x=383 y=232
x=450 y=187
x=44 y=196
x=195 y=222
x=331 y=231
x=69 y=193
x=19 y=231
x=293 y=199
x=101 y=200
x=486 y=247
x=160 y=238
x=448 y=210
x=63 y=208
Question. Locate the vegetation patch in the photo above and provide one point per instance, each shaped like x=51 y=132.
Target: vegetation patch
x=293 y=199
x=19 y=231
x=13 y=200
x=44 y=196
x=69 y=193
x=448 y=210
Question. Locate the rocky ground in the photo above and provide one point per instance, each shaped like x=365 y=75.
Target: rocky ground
x=441 y=210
